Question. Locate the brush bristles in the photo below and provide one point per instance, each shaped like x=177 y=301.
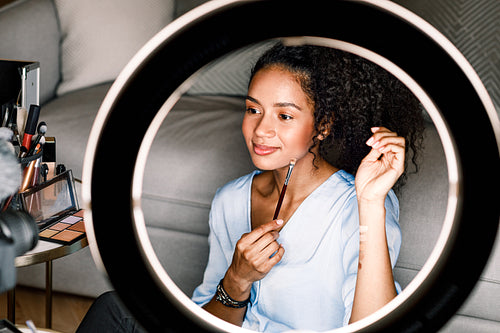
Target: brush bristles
x=290 y=168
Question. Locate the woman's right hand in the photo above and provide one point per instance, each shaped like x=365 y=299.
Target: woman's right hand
x=252 y=259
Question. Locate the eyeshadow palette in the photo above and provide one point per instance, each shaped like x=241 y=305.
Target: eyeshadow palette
x=54 y=207
x=67 y=230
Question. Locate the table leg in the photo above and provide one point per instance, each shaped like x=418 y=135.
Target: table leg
x=48 y=294
x=11 y=305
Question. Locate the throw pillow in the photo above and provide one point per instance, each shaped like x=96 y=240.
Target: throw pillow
x=99 y=37
x=229 y=75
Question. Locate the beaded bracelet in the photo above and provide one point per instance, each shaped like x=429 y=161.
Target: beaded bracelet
x=226 y=300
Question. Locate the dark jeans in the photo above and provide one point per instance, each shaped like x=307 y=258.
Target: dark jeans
x=107 y=314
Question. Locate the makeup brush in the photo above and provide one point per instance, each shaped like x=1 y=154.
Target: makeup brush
x=41 y=129
x=35 y=179
x=283 y=190
x=31 y=326
x=29 y=171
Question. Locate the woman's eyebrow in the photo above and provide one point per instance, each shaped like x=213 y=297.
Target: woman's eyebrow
x=251 y=99
x=277 y=104
x=287 y=104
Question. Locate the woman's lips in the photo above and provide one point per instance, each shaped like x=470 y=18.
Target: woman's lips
x=263 y=149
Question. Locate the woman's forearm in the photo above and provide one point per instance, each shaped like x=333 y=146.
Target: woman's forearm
x=375 y=283
x=255 y=255
x=232 y=315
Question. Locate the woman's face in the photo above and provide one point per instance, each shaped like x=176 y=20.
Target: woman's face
x=279 y=119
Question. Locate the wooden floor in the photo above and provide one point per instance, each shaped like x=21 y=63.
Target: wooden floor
x=67 y=310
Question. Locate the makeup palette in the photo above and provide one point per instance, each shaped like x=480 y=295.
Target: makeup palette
x=54 y=206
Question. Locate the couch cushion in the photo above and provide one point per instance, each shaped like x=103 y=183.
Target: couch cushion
x=69 y=119
x=422 y=211
x=422 y=207
x=183 y=255
x=467 y=324
x=101 y=36
x=483 y=302
x=198 y=148
x=37 y=39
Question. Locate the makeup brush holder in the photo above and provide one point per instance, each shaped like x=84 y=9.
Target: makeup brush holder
x=24 y=163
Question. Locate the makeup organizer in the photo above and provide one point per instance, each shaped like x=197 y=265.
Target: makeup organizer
x=46 y=192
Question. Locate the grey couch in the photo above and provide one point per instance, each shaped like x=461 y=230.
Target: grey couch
x=78 y=64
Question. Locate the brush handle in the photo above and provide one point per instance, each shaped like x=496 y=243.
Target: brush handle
x=280 y=201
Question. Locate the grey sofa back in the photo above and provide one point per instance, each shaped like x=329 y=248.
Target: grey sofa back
x=29 y=30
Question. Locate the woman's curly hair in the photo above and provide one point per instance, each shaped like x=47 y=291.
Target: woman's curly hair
x=350 y=96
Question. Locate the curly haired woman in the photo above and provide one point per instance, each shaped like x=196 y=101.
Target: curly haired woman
x=327 y=260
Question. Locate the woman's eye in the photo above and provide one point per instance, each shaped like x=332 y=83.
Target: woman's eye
x=253 y=111
x=284 y=116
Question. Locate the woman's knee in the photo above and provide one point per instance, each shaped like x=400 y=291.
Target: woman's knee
x=107 y=314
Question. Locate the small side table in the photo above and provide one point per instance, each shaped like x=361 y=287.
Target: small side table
x=43 y=252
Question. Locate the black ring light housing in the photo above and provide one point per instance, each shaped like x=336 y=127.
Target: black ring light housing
x=217 y=28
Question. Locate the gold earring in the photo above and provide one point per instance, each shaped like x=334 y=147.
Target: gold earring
x=323 y=135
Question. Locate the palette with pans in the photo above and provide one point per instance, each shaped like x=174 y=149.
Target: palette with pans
x=54 y=206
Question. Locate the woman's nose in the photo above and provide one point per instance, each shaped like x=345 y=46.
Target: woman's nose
x=265 y=127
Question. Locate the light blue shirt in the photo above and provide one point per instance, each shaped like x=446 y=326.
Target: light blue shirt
x=312 y=287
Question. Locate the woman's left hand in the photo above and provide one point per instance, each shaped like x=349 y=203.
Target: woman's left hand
x=381 y=168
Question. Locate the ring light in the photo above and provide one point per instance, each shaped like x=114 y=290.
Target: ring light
x=407 y=44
